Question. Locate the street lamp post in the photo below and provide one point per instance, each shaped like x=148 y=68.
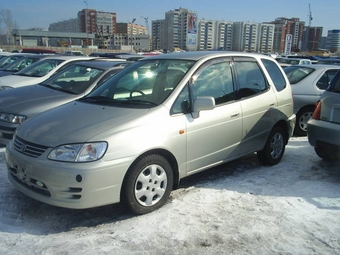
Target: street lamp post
x=131 y=33
x=87 y=34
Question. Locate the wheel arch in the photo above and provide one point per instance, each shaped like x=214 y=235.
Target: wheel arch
x=285 y=126
x=168 y=156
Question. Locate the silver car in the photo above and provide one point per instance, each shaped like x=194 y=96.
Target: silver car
x=39 y=71
x=323 y=129
x=79 y=79
x=155 y=122
x=308 y=83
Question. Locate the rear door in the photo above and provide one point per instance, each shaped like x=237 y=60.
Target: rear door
x=258 y=102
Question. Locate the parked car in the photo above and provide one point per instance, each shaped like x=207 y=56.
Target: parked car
x=323 y=128
x=38 y=51
x=155 y=122
x=20 y=63
x=73 y=82
x=329 y=61
x=75 y=53
x=293 y=61
x=308 y=83
x=38 y=71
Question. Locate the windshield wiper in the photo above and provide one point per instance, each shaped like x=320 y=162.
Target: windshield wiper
x=138 y=101
x=58 y=88
x=97 y=99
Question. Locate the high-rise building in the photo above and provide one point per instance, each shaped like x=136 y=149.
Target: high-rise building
x=246 y=36
x=312 y=38
x=181 y=30
x=266 y=38
x=102 y=24
x=288 y=28
x=158 y=34
x=224 y=35
x=71 y=25
x=206 y=35
x=333 y=40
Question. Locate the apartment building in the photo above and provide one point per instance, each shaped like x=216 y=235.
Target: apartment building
x=333 y=40
x=158 y=34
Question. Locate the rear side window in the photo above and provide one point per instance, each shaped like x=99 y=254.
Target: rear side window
x=275 y=74
x=335 y=84
x=251 y=80
x=326 y=79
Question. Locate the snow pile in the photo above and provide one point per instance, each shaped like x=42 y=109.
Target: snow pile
x=239 y=208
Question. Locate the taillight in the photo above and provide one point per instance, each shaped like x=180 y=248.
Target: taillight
x=317 y=111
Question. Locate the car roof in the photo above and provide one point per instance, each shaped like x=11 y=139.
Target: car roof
x=320 y=66
x=100 y=64
x=197 y=55
x=68 y=57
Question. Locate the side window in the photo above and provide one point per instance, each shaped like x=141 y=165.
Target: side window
x=250 y=78
x=326 y=78
x=275 y=74
x=214 y=80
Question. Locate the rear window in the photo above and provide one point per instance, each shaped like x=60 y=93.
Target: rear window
x=297 y=73
x=275 y=74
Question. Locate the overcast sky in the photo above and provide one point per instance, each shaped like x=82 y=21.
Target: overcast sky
x=40 y=13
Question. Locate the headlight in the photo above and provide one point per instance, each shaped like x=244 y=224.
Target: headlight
x=83 y=152
x=5 y=87
x=12 y=118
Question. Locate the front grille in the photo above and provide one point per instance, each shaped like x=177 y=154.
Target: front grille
x=28 y=148
x=29 y=183
x=8 y=129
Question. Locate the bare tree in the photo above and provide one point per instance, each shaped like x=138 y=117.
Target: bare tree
x=7 y=24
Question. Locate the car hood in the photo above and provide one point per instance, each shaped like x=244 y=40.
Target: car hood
x=5 y=73
x=19 y=81
x=75 y=122
x=30 y=100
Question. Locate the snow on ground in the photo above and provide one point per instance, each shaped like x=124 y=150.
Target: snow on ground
x=239 y=208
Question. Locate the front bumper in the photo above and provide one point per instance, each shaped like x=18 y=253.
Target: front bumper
x=69 y=185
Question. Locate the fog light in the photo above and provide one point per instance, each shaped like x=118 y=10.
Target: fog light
x=40 y=184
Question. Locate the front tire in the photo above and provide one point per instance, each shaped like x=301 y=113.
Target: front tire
x=274 y=149
x=148 y=184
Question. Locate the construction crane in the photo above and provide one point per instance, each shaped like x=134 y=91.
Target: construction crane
x=310 y=18
x=146 y=24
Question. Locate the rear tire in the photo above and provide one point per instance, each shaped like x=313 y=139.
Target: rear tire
x=274 y=149
x=327 y=154
x=302 y=118
x=148 y=184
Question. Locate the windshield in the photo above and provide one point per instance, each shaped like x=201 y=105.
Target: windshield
x=8 y=60
x=40 y=68
x=21 y=63
x=74 y=79
x=297 y=73
x=146 y=83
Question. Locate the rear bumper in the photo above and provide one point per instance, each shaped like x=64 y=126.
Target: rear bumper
x=323 y=132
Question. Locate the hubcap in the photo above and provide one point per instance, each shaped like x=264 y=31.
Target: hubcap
x=276 y=146
x=304 y=119
x=151 y=185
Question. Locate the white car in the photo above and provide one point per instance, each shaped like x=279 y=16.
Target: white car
x=39 y=71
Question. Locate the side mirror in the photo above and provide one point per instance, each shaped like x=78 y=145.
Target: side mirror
x=202 y=103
